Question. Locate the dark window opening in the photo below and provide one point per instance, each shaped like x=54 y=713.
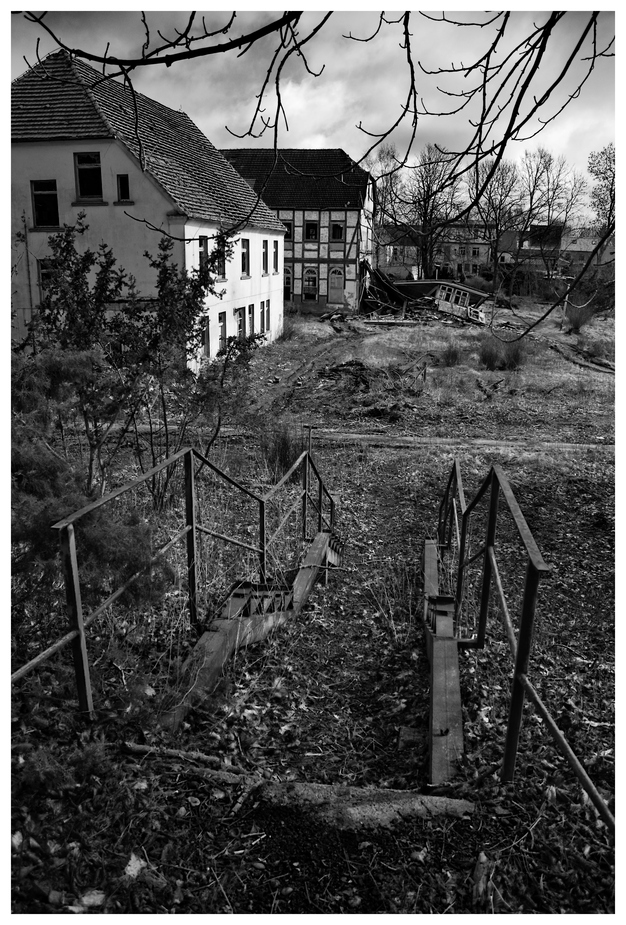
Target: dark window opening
x=45 y=268
x=337 y=232
x=275 y=264
x=265 y=256
x=309 y=289
x=88 y=176
x=45 y=203
x=311 y=231
x=287 y=285
x=222 y=323
x=123 y=187
x=245 y=257
x=262 y=317
x=203 y=243
x=250 y=320
x=289 y=226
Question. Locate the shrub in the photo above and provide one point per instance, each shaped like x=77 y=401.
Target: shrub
x=451 y=355
x=489 y=354
x=281 y=447
x=578 y=316
x=289 y=329
x=513 y=356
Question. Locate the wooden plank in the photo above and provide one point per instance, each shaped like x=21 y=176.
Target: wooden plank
x=446 y=719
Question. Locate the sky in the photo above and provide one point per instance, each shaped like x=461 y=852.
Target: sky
x=361 y=83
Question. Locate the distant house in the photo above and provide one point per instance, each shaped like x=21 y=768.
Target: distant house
x=325 y=201
x=578 y=245
x=76 y=148
x=462 y=249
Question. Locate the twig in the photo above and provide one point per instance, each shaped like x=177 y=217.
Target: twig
x=133 y=749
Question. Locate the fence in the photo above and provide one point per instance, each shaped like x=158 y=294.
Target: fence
x=453 y=525
x=321 y=505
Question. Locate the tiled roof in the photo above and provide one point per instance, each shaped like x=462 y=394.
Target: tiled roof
x=302 y=178
x=61 y=98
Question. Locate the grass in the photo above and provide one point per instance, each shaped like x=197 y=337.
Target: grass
x=325 y=699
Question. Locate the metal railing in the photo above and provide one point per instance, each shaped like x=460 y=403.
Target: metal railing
x=455 y=515
x=79 y=623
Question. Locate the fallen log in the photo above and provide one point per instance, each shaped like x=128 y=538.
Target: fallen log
x=360 y=807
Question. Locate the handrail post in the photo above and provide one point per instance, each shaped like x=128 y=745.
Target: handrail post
x=524 y=643
x=460 y=574
x=305 y=494
x=487 y=569
x=262 y=542
x=75 y=611
x=190 y=513
x=320 y=503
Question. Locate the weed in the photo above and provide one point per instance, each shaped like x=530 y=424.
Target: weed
x=451 y=355
x=514 y=356
x=289 y=330
x=280 y=448
x=489 y=353
x=577 y=317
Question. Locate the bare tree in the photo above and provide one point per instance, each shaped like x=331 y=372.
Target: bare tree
x=499 y=208
x=601 y=166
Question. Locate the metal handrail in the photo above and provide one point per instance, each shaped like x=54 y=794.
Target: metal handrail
x=78 y=623
x=520 y=645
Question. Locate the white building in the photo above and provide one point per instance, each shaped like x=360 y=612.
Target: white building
x=138 y=170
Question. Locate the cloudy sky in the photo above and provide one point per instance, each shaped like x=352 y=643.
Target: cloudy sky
x=361 y=83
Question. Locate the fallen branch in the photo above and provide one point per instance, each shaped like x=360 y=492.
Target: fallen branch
x=361 y=807
x=132 y=748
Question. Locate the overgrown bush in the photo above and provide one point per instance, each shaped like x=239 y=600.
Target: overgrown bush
x=489 y=353
x=280 y=448
x=451 y=354
x=578 y=316
x=513 y=355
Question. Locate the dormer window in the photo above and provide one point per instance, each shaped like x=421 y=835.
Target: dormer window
x=88 y=176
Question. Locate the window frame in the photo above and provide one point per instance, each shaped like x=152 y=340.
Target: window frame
x=221 y=320
x=275 y=256
x=37 y=193
x=42 y=269
x=245 y=257
x=288 y=223
x=265 y=261
x=80 y=169
x=342 y=228
x=313 y=225
x=121 y=177
x=251 y=326
x=306 y=296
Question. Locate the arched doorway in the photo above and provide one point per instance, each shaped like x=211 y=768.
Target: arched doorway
x=309 y=285
x=335 y=285
x=287 y=284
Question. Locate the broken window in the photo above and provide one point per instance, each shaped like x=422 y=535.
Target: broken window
x=311 y=231
x=289 y=226
x=88 y=175
x=45 y=203
x=309 y=288
x=337 y=231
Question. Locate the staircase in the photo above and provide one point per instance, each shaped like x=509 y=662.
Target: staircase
x=446 y=720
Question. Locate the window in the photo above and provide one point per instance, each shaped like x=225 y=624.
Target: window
x=267 y=315
x=250 y=320
x=309 y=288
x=88 y=176
x=207 y=337
x=289 y=226
x=461 y=252
x=474 y=269
x=287 y=284
x=262 y=317
x=337 y=231
x=44 y=270
x=203 y=243
x=311 y=231
x=245 y=257
x=240 y=314
x=123 y=188
x=275 y=257
x=335 y=285
x=475 y=252
x=222 y=323
x=45 y=203
x=266 y=256
x=220 y=263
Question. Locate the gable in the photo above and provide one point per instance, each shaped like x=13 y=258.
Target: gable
x=61 y=98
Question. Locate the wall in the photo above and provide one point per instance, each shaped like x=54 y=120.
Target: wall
x=241 y=291
x=108 y=221
x=323 y=255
